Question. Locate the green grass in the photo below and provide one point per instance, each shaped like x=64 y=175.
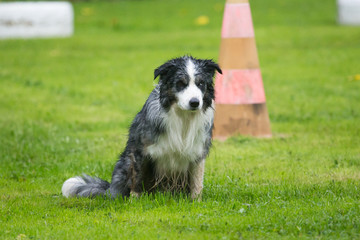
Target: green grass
x=65 y=105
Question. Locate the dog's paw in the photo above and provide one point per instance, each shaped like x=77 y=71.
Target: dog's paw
x=135 y=194
x=196 y=196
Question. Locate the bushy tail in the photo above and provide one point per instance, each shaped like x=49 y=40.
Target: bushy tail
x=84 y=186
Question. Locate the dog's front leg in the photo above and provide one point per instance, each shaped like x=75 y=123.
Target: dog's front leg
x=196 y=179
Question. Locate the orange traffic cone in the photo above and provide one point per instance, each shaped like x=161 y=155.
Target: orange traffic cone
x=239 y=91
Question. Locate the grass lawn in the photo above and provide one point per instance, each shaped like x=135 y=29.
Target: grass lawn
x=65 y=105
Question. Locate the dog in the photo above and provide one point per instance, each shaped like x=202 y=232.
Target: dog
x=168 y=140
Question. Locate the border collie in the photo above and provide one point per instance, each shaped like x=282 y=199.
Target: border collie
x=169 y=138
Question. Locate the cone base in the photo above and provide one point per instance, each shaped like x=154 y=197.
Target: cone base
x=243 y=119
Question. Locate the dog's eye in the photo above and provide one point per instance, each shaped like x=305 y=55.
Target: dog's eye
x=180 y=84
x=200 y=84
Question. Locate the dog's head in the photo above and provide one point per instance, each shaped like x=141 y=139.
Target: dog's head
x=187 y=82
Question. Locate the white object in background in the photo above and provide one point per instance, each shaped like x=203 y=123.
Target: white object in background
x=36 y=19
x=349 y=12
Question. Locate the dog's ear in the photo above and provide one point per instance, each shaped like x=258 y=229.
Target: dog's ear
x=212 y=66
x=163 y=69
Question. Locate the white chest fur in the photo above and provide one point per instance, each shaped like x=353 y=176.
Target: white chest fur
x=183 y=141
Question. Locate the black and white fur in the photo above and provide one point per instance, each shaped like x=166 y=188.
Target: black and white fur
x=169 y=138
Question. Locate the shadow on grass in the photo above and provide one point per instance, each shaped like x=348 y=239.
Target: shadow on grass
x=145 y=202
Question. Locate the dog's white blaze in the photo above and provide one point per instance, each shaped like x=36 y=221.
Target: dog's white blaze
x=191 y=91
x=183 y=141
x=70 y=185
x=190 y=69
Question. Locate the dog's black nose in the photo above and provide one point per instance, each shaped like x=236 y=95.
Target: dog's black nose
x=194 y=103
